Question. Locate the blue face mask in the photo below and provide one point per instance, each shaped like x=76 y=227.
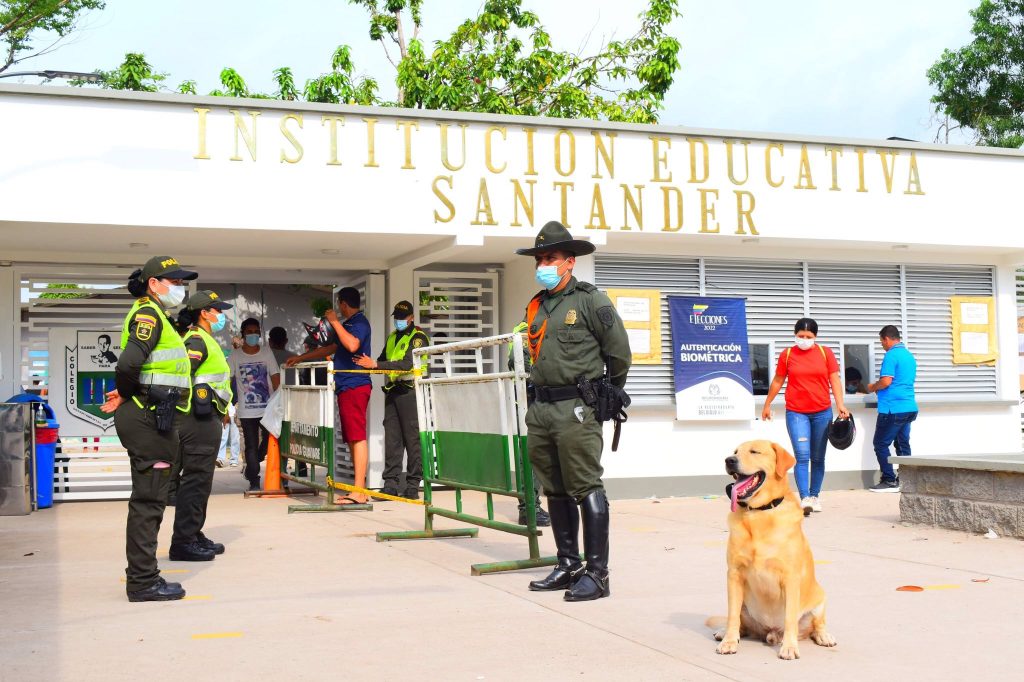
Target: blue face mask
x=219 y=324
x=401 y=325
x=252 y=339
x=547 y=276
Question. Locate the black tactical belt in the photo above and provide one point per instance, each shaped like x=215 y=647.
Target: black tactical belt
x=554 y=394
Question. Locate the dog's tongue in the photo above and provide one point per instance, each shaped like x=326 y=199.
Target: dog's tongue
x=737 y=489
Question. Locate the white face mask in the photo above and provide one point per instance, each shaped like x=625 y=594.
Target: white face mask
x=804 y=344
x=174 y=296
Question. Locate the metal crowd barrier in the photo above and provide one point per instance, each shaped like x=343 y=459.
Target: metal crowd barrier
x=473 y=438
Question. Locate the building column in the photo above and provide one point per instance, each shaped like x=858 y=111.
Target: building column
x=10 y=332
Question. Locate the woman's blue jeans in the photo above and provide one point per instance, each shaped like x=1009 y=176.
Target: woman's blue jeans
x=809 y=435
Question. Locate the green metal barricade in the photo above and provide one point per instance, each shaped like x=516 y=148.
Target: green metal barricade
x=473 y=437
x=307 y=433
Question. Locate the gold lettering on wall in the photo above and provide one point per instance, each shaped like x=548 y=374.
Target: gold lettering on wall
x=249 y=137
x=530 y=170
x=444 y=146
x=563 y=188
x=600 y=152
x=285 y=157
x=768 y=164
x=444 y=199
x=201 y=154
x=803 y=179
x=860 y=170
x=559 y=136
x=888 y=166
x=834 y=152
x=744 y=213
x=333 y=121
x=707 y=209
x=913 y=177
x=483 y=206
x=407 y=127
x=519 y=199
x=694 y=142
x=488 y=161
x=371 y=147
x=666 y=192
x=634 y=205
x=660 y=159
x=730 y=165
x=597 y=221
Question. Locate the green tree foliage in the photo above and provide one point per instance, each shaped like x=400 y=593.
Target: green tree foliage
x=62 y=291
x=981 y=85
x=500 y=61
x=135 y=73
x=22 y=21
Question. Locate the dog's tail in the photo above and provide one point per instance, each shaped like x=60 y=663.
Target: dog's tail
x=716 y=622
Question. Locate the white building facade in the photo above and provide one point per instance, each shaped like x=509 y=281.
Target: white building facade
x=429 y=207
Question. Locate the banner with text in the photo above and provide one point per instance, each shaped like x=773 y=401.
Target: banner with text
x=711 y=358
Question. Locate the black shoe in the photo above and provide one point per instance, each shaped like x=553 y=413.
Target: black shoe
x=207 y=543
x=411 y=493
x=594 y=582
x=390 y=490
x=161 y=590
x=543 y=520
x=254 y=485
x=886 y=486
x=565 y=526
x=192 y=551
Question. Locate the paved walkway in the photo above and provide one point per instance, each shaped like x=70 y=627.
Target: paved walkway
x=313 y=596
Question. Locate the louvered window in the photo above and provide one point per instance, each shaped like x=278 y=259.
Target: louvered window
x=850 y=302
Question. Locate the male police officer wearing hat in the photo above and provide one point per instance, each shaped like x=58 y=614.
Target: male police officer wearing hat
x=153 y=389
x=200 y=430
x=401 y=423
x=573 y=333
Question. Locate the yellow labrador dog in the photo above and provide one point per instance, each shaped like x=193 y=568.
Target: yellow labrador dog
x=773 y=594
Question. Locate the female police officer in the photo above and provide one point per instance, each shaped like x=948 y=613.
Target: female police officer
x=153 y=386
x=200 y=429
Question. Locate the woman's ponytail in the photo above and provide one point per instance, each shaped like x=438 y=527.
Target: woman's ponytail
x=136 y=286
x=186 y=318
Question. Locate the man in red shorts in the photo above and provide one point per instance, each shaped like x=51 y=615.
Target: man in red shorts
x=351 y=339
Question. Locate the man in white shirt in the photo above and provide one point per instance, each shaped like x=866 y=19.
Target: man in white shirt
x=256 y=375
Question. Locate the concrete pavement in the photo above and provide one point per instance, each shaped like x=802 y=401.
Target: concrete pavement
x=314 y=596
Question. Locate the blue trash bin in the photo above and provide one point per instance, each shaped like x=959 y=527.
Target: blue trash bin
x=46 y=452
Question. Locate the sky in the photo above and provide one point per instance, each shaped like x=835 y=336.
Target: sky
x=817 y=67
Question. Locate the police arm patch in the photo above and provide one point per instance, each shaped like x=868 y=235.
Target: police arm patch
x=144 y=331
x=607 y=315
x=416 y=343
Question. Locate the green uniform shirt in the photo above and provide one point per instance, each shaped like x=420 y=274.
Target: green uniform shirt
x=584 y=330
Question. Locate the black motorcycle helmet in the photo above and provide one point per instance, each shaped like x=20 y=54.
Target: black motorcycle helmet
x=841 y=432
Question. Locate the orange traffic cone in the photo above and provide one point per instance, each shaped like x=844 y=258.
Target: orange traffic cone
x=272 y=479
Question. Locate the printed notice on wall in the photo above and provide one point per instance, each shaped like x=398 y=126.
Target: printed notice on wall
x=973 y=313
x=640 y=310
x=974 y=330
x=975 y=343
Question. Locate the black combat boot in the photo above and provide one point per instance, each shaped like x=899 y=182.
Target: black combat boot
x=161 y=590
x=543 y=520
x=215 y=547
x=593 y=582
x=190 y=551
x=565 y=526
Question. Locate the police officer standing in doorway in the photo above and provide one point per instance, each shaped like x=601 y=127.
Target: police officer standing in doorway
x=401 y=423
x=573 y=333
x=153 y=390
x=201 y=429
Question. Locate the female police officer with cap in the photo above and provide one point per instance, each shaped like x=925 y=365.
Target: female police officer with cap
x=153 y=386
x=200 y=429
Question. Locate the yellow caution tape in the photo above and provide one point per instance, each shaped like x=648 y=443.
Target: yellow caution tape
x=371 y=493
x=373 y=371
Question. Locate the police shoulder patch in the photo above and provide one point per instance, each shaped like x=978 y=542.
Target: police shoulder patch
x=607 y=315
x=144 y=331
x=417 y=342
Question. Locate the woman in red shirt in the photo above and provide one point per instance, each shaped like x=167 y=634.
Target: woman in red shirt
x=812 y=371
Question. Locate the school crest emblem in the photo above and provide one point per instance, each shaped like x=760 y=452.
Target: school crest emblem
x=89 y=376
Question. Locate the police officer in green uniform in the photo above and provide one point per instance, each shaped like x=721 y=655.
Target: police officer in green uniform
x=201 y=429
x=153 y=390
x=401 y=423
x=573 y=333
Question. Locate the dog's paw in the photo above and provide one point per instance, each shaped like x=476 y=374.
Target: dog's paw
x=719 y=635
x=773 y=637
x=789 y=652
x=728 y=646
x=822 y=638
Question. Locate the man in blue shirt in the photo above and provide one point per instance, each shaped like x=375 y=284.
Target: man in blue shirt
x=351 y=340
x=897 y=408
